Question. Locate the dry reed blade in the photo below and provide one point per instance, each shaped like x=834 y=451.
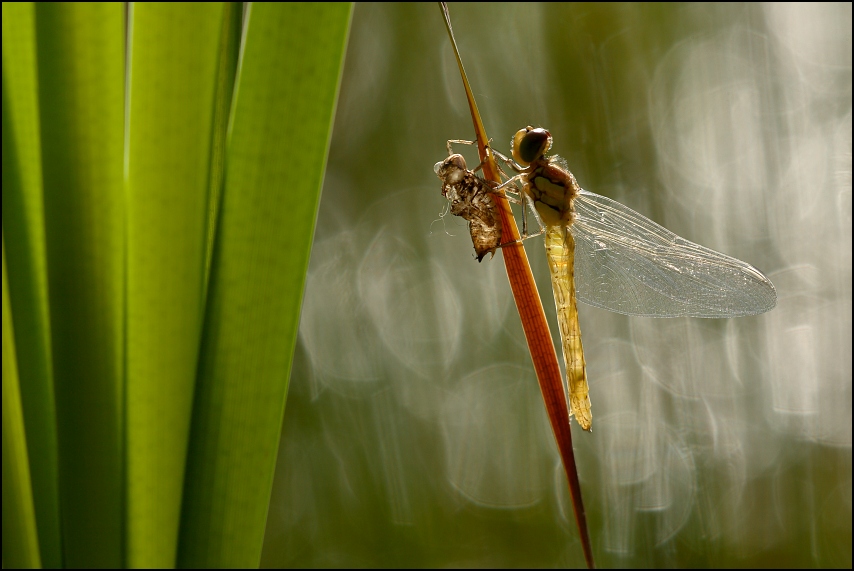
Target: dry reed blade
x=531 y=314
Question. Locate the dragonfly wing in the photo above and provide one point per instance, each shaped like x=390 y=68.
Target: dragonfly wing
x=560 y=250
x=625 y=262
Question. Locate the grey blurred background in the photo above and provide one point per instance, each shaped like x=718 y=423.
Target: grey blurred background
x=415 y=434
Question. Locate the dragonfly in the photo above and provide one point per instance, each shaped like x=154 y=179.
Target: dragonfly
x=605 y=254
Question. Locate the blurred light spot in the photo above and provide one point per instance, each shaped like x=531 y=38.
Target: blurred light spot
x=494 y=431
x=411 y=304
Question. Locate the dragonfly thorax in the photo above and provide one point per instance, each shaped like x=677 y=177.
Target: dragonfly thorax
x=554 y=191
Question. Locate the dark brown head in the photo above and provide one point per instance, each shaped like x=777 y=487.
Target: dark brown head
x=530 y=144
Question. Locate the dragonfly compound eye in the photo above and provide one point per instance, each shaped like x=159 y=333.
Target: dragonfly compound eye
x=530 y=144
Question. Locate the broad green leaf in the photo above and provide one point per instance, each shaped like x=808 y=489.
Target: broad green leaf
x=23 y=229
x=20 y=539
x=175 y=53
x=81 y=78
x=279 y=136
x=157 y=243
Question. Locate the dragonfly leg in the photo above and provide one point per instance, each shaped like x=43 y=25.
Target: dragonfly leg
x=517 y=196
x=522 y=239
x=498 y=154
x=464 y=142
x=459 y=142
x=510 y=162
x=530 y=203
x=504 y=158
x=480 y=166
x=511 y=195
x=510 y=181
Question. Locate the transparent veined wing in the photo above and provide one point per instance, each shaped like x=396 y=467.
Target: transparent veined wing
x=625 y=262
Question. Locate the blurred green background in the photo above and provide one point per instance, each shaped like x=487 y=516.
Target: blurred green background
x=414 y=433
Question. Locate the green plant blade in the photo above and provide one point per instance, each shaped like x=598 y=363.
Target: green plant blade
x=20 y=538
x=175 y=52
x=232 y=29
x=23 y=229
x=81 y=64
x=280 y=127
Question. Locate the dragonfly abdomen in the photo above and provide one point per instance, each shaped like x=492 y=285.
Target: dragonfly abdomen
x=560 y=251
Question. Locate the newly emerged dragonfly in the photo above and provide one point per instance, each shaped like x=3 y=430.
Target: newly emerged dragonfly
x=607 y=255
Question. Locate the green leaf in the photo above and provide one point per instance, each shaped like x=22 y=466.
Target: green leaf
x=280 y=127
x=81 y=78
x=175 y=60
x=20 y=540
x=157 y=241
x=24 y=233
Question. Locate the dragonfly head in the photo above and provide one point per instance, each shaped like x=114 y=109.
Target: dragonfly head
x=451 y=170
x=530 y=144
